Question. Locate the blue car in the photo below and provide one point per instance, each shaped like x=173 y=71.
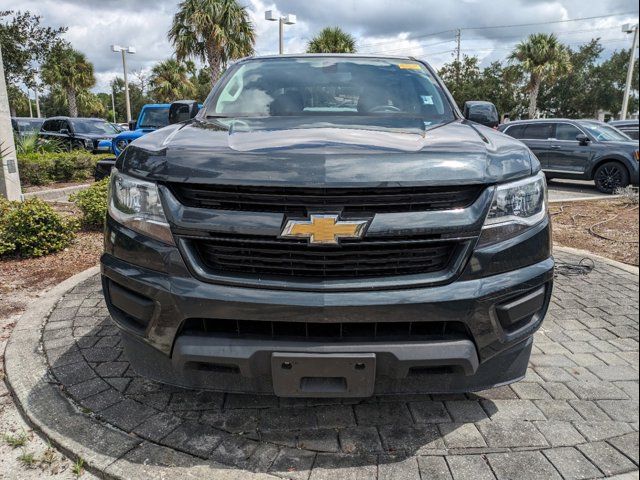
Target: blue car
x=152 y=117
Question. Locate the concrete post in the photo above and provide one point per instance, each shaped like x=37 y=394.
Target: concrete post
x=9 y=178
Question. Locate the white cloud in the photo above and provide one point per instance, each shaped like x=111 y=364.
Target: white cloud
x=401 y=27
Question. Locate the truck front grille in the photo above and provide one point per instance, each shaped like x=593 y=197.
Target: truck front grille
x=362 y=259
x=369 y=331
x=348 y=200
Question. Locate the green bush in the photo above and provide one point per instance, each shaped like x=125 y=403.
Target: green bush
x=5 y=245
x=36 y=168
x=41 y=168
x=32 y=229
x=93 y=203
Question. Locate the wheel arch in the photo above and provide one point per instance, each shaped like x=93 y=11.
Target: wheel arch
x=608 y=158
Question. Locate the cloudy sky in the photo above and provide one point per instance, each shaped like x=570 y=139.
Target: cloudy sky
x=421 y=28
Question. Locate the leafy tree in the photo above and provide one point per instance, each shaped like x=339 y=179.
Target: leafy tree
x=56 y=102
x=135 y=96
x=171 y=80
x=462 y=78
x=69 y=70
x=18 y=102
x=495 y=83
x=202 y=82
x=543 y=58
x=572 y=95
x=608 y=81
x=215 y=31
x=332 y=40
x=502 y=85
x=24 y=43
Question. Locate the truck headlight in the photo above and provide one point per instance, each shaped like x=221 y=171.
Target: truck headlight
x=88 y=143
x=136 y=204
x=516 y=207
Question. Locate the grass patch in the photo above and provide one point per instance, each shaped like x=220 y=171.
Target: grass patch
x=17 y=440
x=28 y=459
x=78 y=467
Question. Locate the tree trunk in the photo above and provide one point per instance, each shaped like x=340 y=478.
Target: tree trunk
x=73 y=104
x=533 y=98
x=215 y=63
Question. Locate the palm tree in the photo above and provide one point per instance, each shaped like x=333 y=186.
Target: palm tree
x=332 y=40
x=215 y=31
x=69 y=70
x=543 y=57
x=170 y=80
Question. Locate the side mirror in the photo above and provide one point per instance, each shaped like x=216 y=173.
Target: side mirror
x=484 y=113
x=64 y=131
x=582 y=139
x=183 y=110
x=132 y=124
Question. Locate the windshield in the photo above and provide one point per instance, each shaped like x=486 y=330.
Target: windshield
x=604 y=133
x=95 y=127
x=331 y=86
x=29 y=126
x=154 y=118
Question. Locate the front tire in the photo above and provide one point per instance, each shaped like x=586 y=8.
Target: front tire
x=610 y=176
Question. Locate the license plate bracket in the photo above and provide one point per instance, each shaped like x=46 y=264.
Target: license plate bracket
x=323 y=375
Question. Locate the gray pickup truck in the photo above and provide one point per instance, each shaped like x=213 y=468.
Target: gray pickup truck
x=329 y=226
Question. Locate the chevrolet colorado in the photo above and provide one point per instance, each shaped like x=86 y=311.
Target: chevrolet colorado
x=328 y=225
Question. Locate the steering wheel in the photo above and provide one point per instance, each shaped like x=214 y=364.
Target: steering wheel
x=384 y=108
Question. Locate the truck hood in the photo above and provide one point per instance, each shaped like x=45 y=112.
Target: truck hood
x=345 y=151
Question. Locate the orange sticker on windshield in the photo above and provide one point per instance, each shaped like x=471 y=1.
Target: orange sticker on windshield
x=409 y=66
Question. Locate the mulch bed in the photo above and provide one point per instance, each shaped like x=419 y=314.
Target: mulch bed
x=608 y=228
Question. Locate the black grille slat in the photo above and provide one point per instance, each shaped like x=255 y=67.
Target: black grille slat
x=302 y=199
x=331 y=331
x=346 y=261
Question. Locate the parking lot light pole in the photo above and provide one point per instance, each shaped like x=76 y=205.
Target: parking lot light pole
x=9 y=178
x=288 y=19
x=113 y=105
x=632 y=59
x=124 y=51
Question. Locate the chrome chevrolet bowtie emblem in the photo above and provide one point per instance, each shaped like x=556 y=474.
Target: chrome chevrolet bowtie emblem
x=324 y=229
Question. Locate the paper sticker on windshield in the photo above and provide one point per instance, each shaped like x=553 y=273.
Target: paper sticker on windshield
x=409 y=66
x=426 y=99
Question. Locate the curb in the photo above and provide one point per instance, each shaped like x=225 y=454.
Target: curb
x=586 y=199
x=56 y=193
x=107 y=452
x=593 y=256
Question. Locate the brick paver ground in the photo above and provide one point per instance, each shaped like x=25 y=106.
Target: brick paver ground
x=574 y=416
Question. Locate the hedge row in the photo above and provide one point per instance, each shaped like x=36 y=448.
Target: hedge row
x=45 y=168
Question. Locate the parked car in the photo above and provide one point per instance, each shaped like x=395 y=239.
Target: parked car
x=93 y=134
x=24 y=126
x=328 y=226
x=151 y=114
x=580 y=149
x=152 y=117
x=628 y=127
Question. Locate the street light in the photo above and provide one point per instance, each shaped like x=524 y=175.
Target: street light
x=125 y=50
x=627 y=88
x=288 y=19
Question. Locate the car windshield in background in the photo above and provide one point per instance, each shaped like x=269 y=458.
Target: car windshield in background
x=315 y=86
x=29 y=126
x=154 y=118
x=93 y=127
x=604 y=133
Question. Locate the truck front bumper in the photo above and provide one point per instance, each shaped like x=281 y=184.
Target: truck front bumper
x=496 y=315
